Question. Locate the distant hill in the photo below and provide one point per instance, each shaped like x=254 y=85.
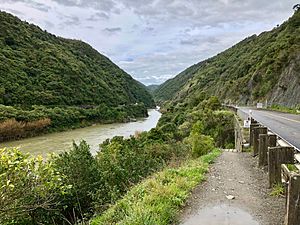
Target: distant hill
x=38 y=68
x=170 y=88
x=151 y=88
x=259 y=68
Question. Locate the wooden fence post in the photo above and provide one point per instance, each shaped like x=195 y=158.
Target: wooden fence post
x=263 y=150
x=278 y=156
x=256 y=132
x=253 y=120
x=252 y=126
x=292 y=216
x=272 y=140
x=238 y=136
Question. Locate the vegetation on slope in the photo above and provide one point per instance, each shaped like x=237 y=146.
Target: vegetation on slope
x=280 y=108
x=17 y=122
x=64 y=82
x=259 y=68
x=151 y=88
x=171 y=87
x=158 y=199
x=38 y=68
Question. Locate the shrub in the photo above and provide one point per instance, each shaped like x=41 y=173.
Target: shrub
x=31 y=190
x=217 y=124
x=214 y=103
x=184 y=129
x=81 y=171
x=201 y=144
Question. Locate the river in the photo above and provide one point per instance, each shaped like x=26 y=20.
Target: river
x=93 y=135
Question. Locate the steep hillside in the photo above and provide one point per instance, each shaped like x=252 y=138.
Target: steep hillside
x=169 y=88
x=152 y=87
x=38 y=68
x=259 y=68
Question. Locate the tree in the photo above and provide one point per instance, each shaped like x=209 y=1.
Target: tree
x=296 y=7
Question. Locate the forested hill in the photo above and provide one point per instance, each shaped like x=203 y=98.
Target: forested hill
x=259 y=68
x=38 y=68
x=151 y=88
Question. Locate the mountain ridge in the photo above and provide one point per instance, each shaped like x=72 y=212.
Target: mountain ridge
x=263 y=68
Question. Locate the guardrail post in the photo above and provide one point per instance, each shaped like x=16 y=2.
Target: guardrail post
x=292 y=216
x=253 y=120
x=278 y=156
x=272 y=140
x=256 y=132
x=263 y=150
x=238 y=136
x=252 y=126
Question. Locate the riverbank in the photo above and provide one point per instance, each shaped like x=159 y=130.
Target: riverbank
x=93 y=135
x=17 y=123
x=81 y=185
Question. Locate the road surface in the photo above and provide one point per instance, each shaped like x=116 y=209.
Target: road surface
x=286 y=125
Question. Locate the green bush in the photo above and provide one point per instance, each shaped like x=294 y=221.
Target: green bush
x=213 y=103
x=158 y=198
x=200 y=144
x=217 y=124
x=80 y=169
x=124 y=162
x=31 y=190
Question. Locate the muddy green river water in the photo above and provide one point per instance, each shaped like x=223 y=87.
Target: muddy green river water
x=93 y=135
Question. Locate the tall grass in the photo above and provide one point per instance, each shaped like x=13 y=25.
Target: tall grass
x=156 y=200
x=13 y=129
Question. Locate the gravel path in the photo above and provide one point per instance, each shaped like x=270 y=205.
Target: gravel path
x=234 y=175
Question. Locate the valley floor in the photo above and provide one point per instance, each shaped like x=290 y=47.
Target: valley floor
x=234 y=175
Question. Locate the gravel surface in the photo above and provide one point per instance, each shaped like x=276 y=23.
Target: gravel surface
x=235 y=193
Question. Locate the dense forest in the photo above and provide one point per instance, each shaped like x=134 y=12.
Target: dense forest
x=259 y=68
x=151 y=88
x=54 y=83
x=38 y=68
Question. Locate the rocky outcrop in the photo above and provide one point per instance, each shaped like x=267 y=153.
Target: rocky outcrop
x=287 y=90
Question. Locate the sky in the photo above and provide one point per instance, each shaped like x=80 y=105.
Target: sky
x=154 y=40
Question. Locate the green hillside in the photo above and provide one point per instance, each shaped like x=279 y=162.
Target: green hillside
x=151 y=88
x=168 y=89
x=38 y=68
x=259 y=68
x=49 y=83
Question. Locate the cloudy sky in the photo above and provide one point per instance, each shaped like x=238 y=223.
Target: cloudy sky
x=153 y=40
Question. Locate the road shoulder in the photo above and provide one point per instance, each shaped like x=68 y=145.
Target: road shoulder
x=234 y=175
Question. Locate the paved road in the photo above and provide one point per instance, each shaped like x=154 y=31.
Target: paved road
x=285 y=125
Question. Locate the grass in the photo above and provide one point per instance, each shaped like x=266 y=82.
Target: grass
x=156 y=200
x=285 y=109
x=277 y=190
x=292 y=167
x=249 y=149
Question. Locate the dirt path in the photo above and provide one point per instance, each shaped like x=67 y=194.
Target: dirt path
x=234 y=174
